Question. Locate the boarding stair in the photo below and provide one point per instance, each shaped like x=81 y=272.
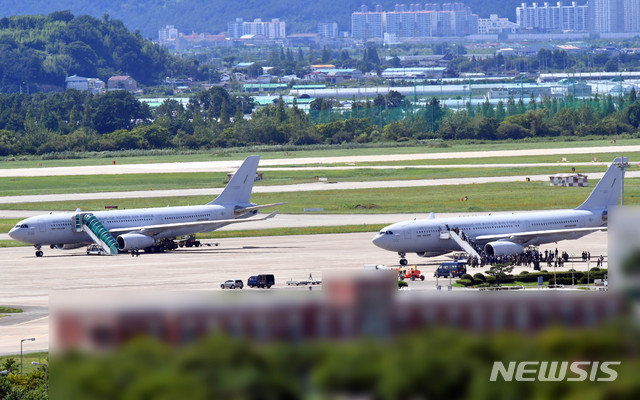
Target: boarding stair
x=101 y=236
x=465 y=245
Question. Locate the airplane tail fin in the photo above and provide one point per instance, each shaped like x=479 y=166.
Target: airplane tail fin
x=607 y=191
x=238 y=190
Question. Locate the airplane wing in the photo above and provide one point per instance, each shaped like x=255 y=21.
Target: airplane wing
x=151 y=230
x=524 y=237
x=249 y=209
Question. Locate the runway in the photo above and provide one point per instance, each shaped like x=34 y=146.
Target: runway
x=302 y=187
x=232 y=165
x=28 y=281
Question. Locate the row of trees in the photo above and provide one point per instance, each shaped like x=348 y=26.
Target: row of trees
x=79 y=121
x=438 y=364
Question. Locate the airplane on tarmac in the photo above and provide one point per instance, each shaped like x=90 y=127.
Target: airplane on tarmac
x=506 y=234
x=148 y=229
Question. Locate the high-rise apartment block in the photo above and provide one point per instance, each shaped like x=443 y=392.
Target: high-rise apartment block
x=496 y=25
x=597 y=16
x=167 y=34
x=274 y=29
x=631 y=18
x=415 y=20
x=606 y=16
x=234 y=29
x=328 y=29
x=556 y=17
x=365 y=24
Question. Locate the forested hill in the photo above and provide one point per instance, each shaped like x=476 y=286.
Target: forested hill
x=212 y=16
x=37 y=52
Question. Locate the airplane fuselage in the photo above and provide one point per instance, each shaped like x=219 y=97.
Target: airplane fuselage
x=424 y=236
x=59 y=229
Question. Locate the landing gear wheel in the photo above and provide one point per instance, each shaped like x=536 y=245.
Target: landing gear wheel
x=39 y=253
x=197 y=243
x=403 y=261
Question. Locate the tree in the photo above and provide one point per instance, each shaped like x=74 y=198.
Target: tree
x=224 y=112
x=500 y=272
x=511 y=107
x=326 y=55
x=152 y=136
x=239 y=116
x=611 y=65
x=115 y=110
x=500 y=112
x=254 y=70
x=280 y=114
x=433 y=113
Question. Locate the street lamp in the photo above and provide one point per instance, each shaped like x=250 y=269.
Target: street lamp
x=22 y=340
x=46 y=375
x=572 y=270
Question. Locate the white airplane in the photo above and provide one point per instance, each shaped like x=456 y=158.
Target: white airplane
x=149 y=229
x=506 y=234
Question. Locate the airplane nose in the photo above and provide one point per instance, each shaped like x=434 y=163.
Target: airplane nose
x=378 y=239
x=13 y=233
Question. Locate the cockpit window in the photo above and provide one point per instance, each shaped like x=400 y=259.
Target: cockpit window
x=386 y=233
x=389 y=233
x=22 y=226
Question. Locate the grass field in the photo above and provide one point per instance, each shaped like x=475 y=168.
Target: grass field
x=601 y=157
x=27 y=358
x=128 y=182
x=482 y=197
x=9 y=310
x=7 y=224
x=276 y=152
x=12 y=243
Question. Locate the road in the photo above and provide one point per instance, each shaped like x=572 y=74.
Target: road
x=302 y=187
x=232 y=165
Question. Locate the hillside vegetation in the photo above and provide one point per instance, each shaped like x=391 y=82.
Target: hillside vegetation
x=37 y=52
x=212 y=16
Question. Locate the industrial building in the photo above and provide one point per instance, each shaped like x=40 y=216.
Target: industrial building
x=93 y=85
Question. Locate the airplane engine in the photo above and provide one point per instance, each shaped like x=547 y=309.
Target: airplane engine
x=134 y=241
x=503 y=248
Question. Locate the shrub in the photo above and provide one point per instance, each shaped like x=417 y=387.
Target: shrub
x=491 y=279
x=464 y=282
x=402 y=284
x=467 y=277
x=480 y=277
x=524 y=272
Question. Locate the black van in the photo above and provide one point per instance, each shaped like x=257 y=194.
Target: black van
x=261 y=281
x=453 y=269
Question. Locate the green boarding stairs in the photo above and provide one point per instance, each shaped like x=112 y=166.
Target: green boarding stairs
x=89 y=223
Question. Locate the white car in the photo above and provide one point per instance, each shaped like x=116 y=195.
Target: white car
x=230 y=284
